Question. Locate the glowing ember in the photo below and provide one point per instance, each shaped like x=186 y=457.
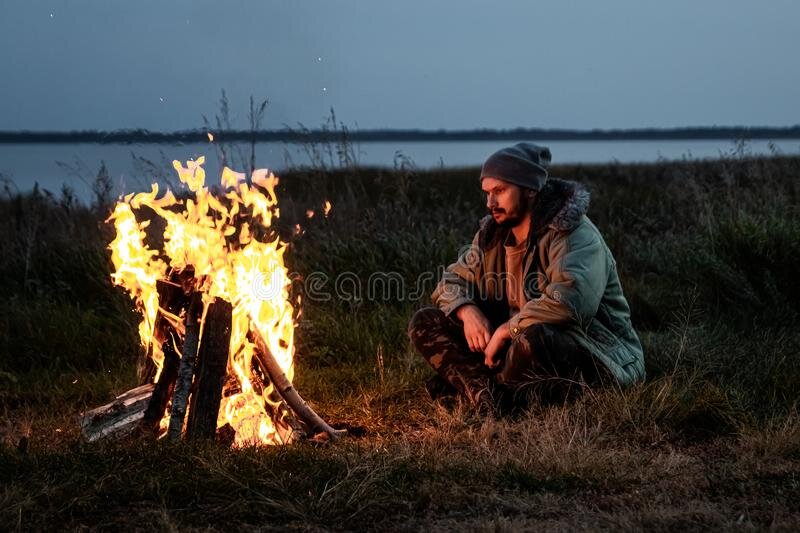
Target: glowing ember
x=215 y=234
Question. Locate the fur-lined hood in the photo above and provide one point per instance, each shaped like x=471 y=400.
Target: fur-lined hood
x=558 y=206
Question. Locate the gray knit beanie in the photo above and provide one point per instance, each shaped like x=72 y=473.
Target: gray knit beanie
x=524 y=164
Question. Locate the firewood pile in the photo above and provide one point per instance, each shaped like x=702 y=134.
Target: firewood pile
x=184 y=400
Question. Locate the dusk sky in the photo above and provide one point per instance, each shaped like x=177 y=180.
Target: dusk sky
x=417 y=64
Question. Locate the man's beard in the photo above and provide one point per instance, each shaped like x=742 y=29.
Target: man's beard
x=514 y=218
x=510 y=221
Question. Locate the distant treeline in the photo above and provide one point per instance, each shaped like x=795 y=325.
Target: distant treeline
x=323 y=135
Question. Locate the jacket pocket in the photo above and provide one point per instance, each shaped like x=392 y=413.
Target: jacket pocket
x=609 y=344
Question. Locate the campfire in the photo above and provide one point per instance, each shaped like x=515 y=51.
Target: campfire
x=206 y=271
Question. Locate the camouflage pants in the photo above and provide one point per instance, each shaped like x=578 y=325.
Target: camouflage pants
x=542 y=361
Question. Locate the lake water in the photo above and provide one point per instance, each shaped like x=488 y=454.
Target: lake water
x=52 y=165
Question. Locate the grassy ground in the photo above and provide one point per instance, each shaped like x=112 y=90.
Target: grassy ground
x=706 y=253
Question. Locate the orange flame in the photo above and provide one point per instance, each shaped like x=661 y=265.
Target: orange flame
x=214 y=234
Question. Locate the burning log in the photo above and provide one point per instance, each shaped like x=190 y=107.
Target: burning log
x=186 y=371
x=212 y=366
x=304 y=412
x=172 y=302
x=163 y=389
x=276 y=406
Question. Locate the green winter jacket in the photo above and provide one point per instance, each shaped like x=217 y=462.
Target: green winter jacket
x=570 y=279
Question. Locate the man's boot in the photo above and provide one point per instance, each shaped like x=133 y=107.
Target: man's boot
x=478 y=391
x=439 y=388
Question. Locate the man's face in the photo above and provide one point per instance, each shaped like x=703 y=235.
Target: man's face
x=508 y=203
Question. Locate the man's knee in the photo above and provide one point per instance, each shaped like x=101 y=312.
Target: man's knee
x=539 y=337
x=424 y=319
x=552 y=349
x=531 y=354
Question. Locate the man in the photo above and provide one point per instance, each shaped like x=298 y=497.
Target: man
x=535 y=304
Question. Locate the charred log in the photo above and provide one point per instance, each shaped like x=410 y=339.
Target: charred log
x=183 y=383
x=173 y=301
x=163 y=387
x=211 y=371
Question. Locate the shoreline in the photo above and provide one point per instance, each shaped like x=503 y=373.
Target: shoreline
x=142 y=136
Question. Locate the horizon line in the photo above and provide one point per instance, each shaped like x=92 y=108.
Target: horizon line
x=343 y=133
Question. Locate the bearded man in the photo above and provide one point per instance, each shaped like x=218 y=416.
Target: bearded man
x=535 y=304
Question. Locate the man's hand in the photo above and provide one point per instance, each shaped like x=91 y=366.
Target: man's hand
x=476 y=327
x=501 y=336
